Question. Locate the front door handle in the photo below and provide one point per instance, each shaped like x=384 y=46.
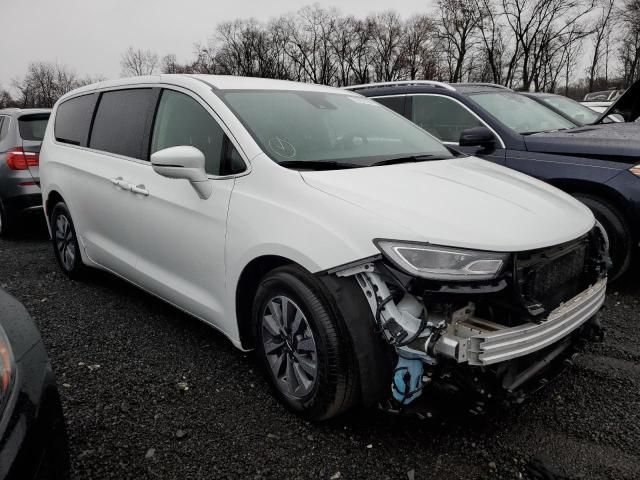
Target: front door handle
x=140 y=189
x=120 y=182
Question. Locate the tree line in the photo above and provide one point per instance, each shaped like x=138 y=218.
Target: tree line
x=536 y=45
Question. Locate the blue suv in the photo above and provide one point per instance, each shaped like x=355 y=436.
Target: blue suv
x=599 y=164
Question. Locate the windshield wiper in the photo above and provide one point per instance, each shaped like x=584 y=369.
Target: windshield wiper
x=549 y=131
x=317 y=165
x=407 y=159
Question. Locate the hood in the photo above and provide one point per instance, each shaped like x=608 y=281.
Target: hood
x=463 y=202
x=613 y=141
x=627 y=106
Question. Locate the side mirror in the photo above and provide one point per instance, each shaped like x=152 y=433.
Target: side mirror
x=183 y=162
x=477 y=137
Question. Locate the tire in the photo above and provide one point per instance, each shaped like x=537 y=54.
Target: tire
x=65 y=242
x=313 y=335
x=7 y=223
x=618 y=231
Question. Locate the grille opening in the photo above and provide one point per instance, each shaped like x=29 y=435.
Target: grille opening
x=552 y=276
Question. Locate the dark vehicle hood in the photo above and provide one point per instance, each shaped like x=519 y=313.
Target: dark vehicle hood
x=628 y=105
x=618 y=142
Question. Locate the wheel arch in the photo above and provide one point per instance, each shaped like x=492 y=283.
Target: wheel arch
x=598 y=190
x=372 y=357
x=53 y=197
x=246 y=289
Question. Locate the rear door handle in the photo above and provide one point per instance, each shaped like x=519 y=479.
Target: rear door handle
x=140 y=189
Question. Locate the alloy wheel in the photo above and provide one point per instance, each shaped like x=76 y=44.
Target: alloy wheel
x=289 y=346
x=65 y=242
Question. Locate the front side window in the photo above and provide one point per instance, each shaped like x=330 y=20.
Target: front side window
x=181 y=120
x=73 y=119
x=326 y=130
x=122 y=121
x=519 y=113
x=394 y=103
x=442 y=117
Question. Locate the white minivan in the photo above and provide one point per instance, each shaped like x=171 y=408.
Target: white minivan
x=363 y=260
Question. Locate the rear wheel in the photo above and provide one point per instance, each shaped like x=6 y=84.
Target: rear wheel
x=619 y=233
x=302 y=345
x=65 y=241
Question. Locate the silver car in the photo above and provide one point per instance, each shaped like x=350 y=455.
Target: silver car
x=21 y=133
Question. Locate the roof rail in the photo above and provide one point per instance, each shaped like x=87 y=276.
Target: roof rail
x=397 y=83
x=480 y=84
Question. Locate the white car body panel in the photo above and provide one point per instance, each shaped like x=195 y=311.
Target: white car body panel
x=191 y=252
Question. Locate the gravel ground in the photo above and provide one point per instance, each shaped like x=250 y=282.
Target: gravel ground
x=149 y=392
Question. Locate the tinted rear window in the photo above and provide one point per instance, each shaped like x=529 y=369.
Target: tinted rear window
x=32 y=127
x=73 y=119
x=122 y=122
x=4 y=127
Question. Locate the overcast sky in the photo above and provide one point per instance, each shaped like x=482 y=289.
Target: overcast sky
x=90 y=35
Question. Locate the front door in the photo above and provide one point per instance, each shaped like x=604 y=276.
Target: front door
x=180 y=237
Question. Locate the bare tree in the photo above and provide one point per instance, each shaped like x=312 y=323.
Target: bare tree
x=492 y=35
x=6 y=101
x=386 y=39
x=310 y=47
x=629 y=53
x=44 y=83
x=137 y=62
x=540 y=27
x=601 y=33
x=419 y=46
x=458 y=29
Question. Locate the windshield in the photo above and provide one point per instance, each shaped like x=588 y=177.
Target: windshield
x=321 y=130
x=578 y=113
x=520 y=113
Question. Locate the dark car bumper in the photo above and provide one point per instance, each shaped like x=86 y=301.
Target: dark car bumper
x=23 y=204
x=33 y=441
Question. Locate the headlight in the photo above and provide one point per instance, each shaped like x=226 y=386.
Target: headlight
x=442 y=263
x=635 y=170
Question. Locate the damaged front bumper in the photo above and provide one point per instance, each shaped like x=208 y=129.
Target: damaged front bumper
x=480 y=342
x=510 y=329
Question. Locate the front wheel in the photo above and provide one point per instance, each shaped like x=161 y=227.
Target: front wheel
x=65 y=241
x=303 y=346
x=620 y=238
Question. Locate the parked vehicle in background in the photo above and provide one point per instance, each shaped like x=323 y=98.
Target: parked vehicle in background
x=626 y=107
x=33 y=440
x=569 y=108
x=346 y=245
x=598 y=107
x=603 y=96
x=597 y=164
x=21 y=133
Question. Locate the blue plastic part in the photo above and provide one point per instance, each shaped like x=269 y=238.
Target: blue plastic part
x=407 y=380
